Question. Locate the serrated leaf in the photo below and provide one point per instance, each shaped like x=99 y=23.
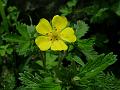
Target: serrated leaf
x=90 y=10
x=23 y=48
x=14 y=38
x=13 y=14
x=22 y=29
x=65 y=11
x=86 y=46
x=5 y=49
x=75 y=58
x=35 y=82
x=23 y=45
x=81 y=28
x=71 y=3
x=31 y=30
x=99 y=16
x=93 y=68
x=78 y=60
x=50 y=60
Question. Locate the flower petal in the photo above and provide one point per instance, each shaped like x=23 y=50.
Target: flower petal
x=43 y=42
x=43 y=26
x=68 y=35
x=59 y=45
x=59 y=22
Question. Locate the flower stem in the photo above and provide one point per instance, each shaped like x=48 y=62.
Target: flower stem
x=2 y=13
x=44 y=60
x=61 y=57
x=27 y=61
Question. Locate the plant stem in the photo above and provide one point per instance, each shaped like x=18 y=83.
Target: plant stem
x=2 y=13
x=61 y=57
x=27 y=61
x=44 y=60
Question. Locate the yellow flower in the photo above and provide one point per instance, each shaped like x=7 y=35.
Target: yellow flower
x=53 y=36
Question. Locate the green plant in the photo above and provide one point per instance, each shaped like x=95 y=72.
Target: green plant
x=82 y=66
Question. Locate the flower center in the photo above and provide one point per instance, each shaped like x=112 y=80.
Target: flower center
x=53 y=36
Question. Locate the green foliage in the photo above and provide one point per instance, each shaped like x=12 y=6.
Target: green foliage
x=3 y=15
x=37 y=82
x=116 y=8
x=83 y=76
x=92 y=68
x=89 y=10
x=86 y=46
x=100 y=15
x=75 y=58
x=13 y=15
x=5 y=49
x=24 y=40
x=81 y=28
x=81 y=67
x=50 y=60
x=68 y=8
x=7 y=79
x=102 y=82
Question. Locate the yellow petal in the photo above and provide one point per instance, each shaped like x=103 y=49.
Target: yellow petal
x=43 y=43
x=68 y=35
x=59 y=45
x=59 y=22
x=43 y=27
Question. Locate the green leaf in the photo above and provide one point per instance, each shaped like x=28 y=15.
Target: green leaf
x=23 y=48
x=100 y=15
x=39 y=62
x=22 y=29
x=31 y=30
x=23 y=45
x=78 y=60
x=81 y=28
x=86 y=46
x=5 y=49
x=9 y=50
x=71 y=3
x=50 y=60
x=108 y=81
x=36 y=82
x=90 y=10
x=14 y=38
x=103 y=81
x=93 y=68
x=116 y=8
x=2 y=52
x=23 y=42
x=13 y=14
x=67 y=9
